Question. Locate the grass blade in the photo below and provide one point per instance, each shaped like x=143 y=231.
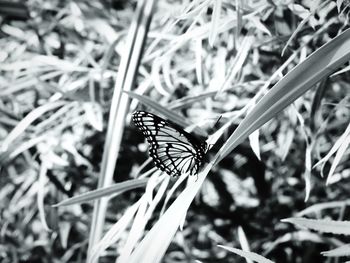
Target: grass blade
x=156 y=242
x=120 y=103
x=114 y=190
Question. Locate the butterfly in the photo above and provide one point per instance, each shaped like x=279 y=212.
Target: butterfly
x=172 y=149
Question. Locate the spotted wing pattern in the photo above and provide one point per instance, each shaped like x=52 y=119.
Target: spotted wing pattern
x=172 y=149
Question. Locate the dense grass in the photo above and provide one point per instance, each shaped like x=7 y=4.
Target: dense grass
x=73 y=72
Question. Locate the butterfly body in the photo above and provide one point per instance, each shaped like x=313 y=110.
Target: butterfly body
x=172 y=149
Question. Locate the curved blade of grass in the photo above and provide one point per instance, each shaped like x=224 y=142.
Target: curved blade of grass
x=317 y=208
x=156 y=242
x=137 y=227
x=165 y=111
x=16 y=149
x=41 y=193
x=340 y=153
x=321 y=225
x=159 y=108
x=192 y=8
x=115 y=189
x=114 y=233
x=335 y=147
x=247 y=255
x=318 y=65
x=142 y=219
x=243 y=241
x=339 y=148
x=28 y=120
x=189 y=100
x=215 y=18
x=341 y=251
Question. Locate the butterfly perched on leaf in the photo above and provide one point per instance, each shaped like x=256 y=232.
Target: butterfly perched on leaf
x=172 y=149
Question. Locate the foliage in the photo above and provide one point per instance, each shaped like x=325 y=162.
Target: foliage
x=68 y=72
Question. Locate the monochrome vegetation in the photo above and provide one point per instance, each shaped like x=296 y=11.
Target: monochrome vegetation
x=175 y=131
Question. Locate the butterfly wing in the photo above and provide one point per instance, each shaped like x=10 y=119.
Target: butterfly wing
x=172 y=149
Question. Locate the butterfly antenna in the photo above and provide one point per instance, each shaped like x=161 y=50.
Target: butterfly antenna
x=217 y=122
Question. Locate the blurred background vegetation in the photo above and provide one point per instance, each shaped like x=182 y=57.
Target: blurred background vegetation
x=58 y=64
